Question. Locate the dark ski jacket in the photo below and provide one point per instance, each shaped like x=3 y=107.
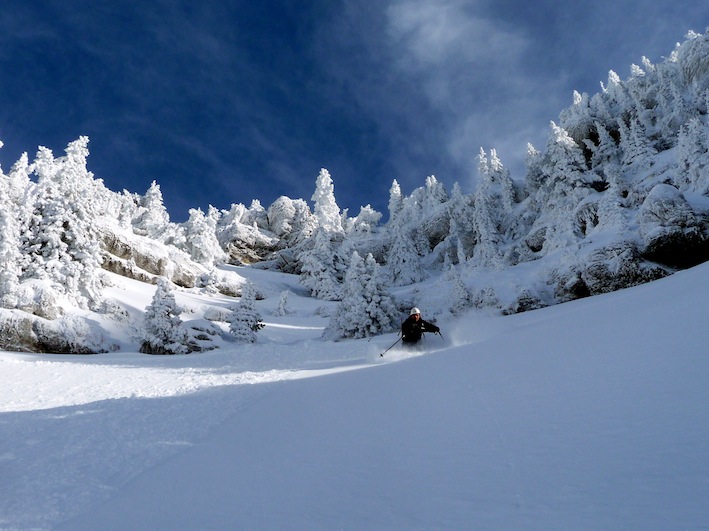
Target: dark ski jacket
x=412 y=330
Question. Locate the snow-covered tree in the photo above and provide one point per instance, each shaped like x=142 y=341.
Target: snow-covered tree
x=318 y=270
x=637 y=149
x=290 y=219
x=18 y=180
x=606 y=151
x=162 y=326
x=245 y=320
x=366 y=308
x=283 y=308
x=395 y=200
x=326 y=210
x=693 y=157
x=460 y=297
x=404 y=263
x=10 y=257
x=152 y=219
x=492 y=212
x=611 y=215
x=60 y=234
x=563 y=184
x=460 y=229
x=201 y=237
x=365 y=222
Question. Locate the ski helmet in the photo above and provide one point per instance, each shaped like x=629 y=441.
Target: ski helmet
x=414 y=311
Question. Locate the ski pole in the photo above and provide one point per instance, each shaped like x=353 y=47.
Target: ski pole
x=391 y=347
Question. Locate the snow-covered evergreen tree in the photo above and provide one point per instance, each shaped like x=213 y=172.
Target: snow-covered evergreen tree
x=60 y=234
x=562 y=186
x=395 y=200
x=492 y=212
x=365 y=222
x=693 y=157
x=201 y=237
x=327 y=213
x=318 y=270
x=162 y=326
x=637 y=149
x=460 y=297
x=461 y=233
x=18 y=180
x=366 y=308
x=10 y=257
x=404 y=263
x=606 y=151
x=245 y=321
x=152 y=219
x=283 y=308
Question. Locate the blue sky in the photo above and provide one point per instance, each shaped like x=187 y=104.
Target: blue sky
x=225 y=101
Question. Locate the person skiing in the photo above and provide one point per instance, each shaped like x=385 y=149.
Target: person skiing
x=413 y=328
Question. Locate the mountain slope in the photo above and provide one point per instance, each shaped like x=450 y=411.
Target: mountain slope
x=586 y=415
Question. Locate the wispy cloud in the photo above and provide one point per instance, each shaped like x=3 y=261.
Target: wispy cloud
x=438 y=79
x=467 y=63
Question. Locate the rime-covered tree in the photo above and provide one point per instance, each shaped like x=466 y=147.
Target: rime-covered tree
x=395 y=200
x=327 y=213
x=318 y=269
x=404 y=263
x=637 y=149
x=365 y=222
x=60 y=234
x=459 y=297
x=563 y=185
x=162 y=326
x=493 y=222
x=366 y=308
x=283 y=308
x=201 y=238
x=611 y=215
x=693 y=157
x=460 y=232
x=152 y=219
x=606 y=151
x=18 y=180
x=10 y=256
x=245 y=321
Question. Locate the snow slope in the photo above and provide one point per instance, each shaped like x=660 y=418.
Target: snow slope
x=587 y=415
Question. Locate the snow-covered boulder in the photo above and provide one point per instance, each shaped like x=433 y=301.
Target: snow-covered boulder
x=670 y=231
x=22 y=332
x=615 y=267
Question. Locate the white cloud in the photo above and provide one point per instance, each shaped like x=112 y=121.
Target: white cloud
x=470 y=69
x=436 y=32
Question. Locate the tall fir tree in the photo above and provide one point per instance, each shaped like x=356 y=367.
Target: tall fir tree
x=395 y=201
x=326 y=210
x=10 y=256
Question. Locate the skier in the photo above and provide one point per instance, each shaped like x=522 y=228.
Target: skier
x=413 y=328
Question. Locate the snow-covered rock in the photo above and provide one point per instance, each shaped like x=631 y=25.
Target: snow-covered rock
x=670 y=231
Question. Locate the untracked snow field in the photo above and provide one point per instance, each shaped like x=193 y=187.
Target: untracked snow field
x=591 y=415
